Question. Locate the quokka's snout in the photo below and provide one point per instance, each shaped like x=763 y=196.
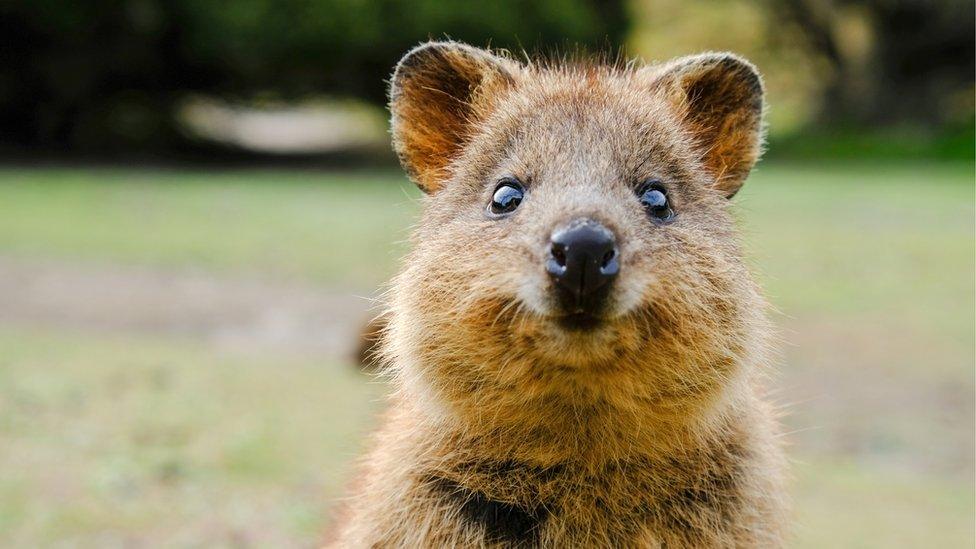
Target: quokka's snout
x=582 y=263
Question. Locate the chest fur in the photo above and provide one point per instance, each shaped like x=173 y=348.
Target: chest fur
x=692 y=501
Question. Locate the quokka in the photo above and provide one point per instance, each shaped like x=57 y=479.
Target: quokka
x=574 y=341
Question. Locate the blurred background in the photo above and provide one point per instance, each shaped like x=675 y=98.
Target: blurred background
x=198 y=206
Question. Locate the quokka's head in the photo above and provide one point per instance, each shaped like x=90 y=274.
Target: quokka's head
x=575 y=226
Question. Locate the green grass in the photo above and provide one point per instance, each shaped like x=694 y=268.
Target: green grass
x=840 y=504
x=115 y=439
x=110 y=441
x=856 y=237
x=953 y=143
x=327 y=228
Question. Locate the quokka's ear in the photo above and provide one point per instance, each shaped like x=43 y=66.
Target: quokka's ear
x=720 y=98
x=438 y=91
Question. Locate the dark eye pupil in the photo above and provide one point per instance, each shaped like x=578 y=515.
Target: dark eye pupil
x=507 y=197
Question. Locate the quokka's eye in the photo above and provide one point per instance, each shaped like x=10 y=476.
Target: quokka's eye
x=507 y=197
x=655 y=200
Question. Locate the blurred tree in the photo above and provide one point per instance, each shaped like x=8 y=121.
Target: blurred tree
x=891 y=62
x=103 y=75
x=669 y=28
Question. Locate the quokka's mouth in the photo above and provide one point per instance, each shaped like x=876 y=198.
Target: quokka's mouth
x=579 y=322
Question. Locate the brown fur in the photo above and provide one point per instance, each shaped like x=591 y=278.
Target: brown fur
x=507 y=430
x=367 y=354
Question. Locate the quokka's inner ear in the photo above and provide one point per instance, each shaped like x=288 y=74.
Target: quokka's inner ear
x=719 y=96
x=438 y=91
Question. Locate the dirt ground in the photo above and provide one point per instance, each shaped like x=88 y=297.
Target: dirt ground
x=869 y=408
x=233 y=313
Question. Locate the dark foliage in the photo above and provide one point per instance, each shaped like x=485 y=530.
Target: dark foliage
x=917 y=72
x=106 y=75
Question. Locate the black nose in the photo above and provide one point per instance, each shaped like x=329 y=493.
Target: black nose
x=582 y=262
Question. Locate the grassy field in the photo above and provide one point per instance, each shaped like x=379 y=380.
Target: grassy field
x=128 y=437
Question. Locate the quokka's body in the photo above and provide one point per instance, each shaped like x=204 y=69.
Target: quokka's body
x=574 y=340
